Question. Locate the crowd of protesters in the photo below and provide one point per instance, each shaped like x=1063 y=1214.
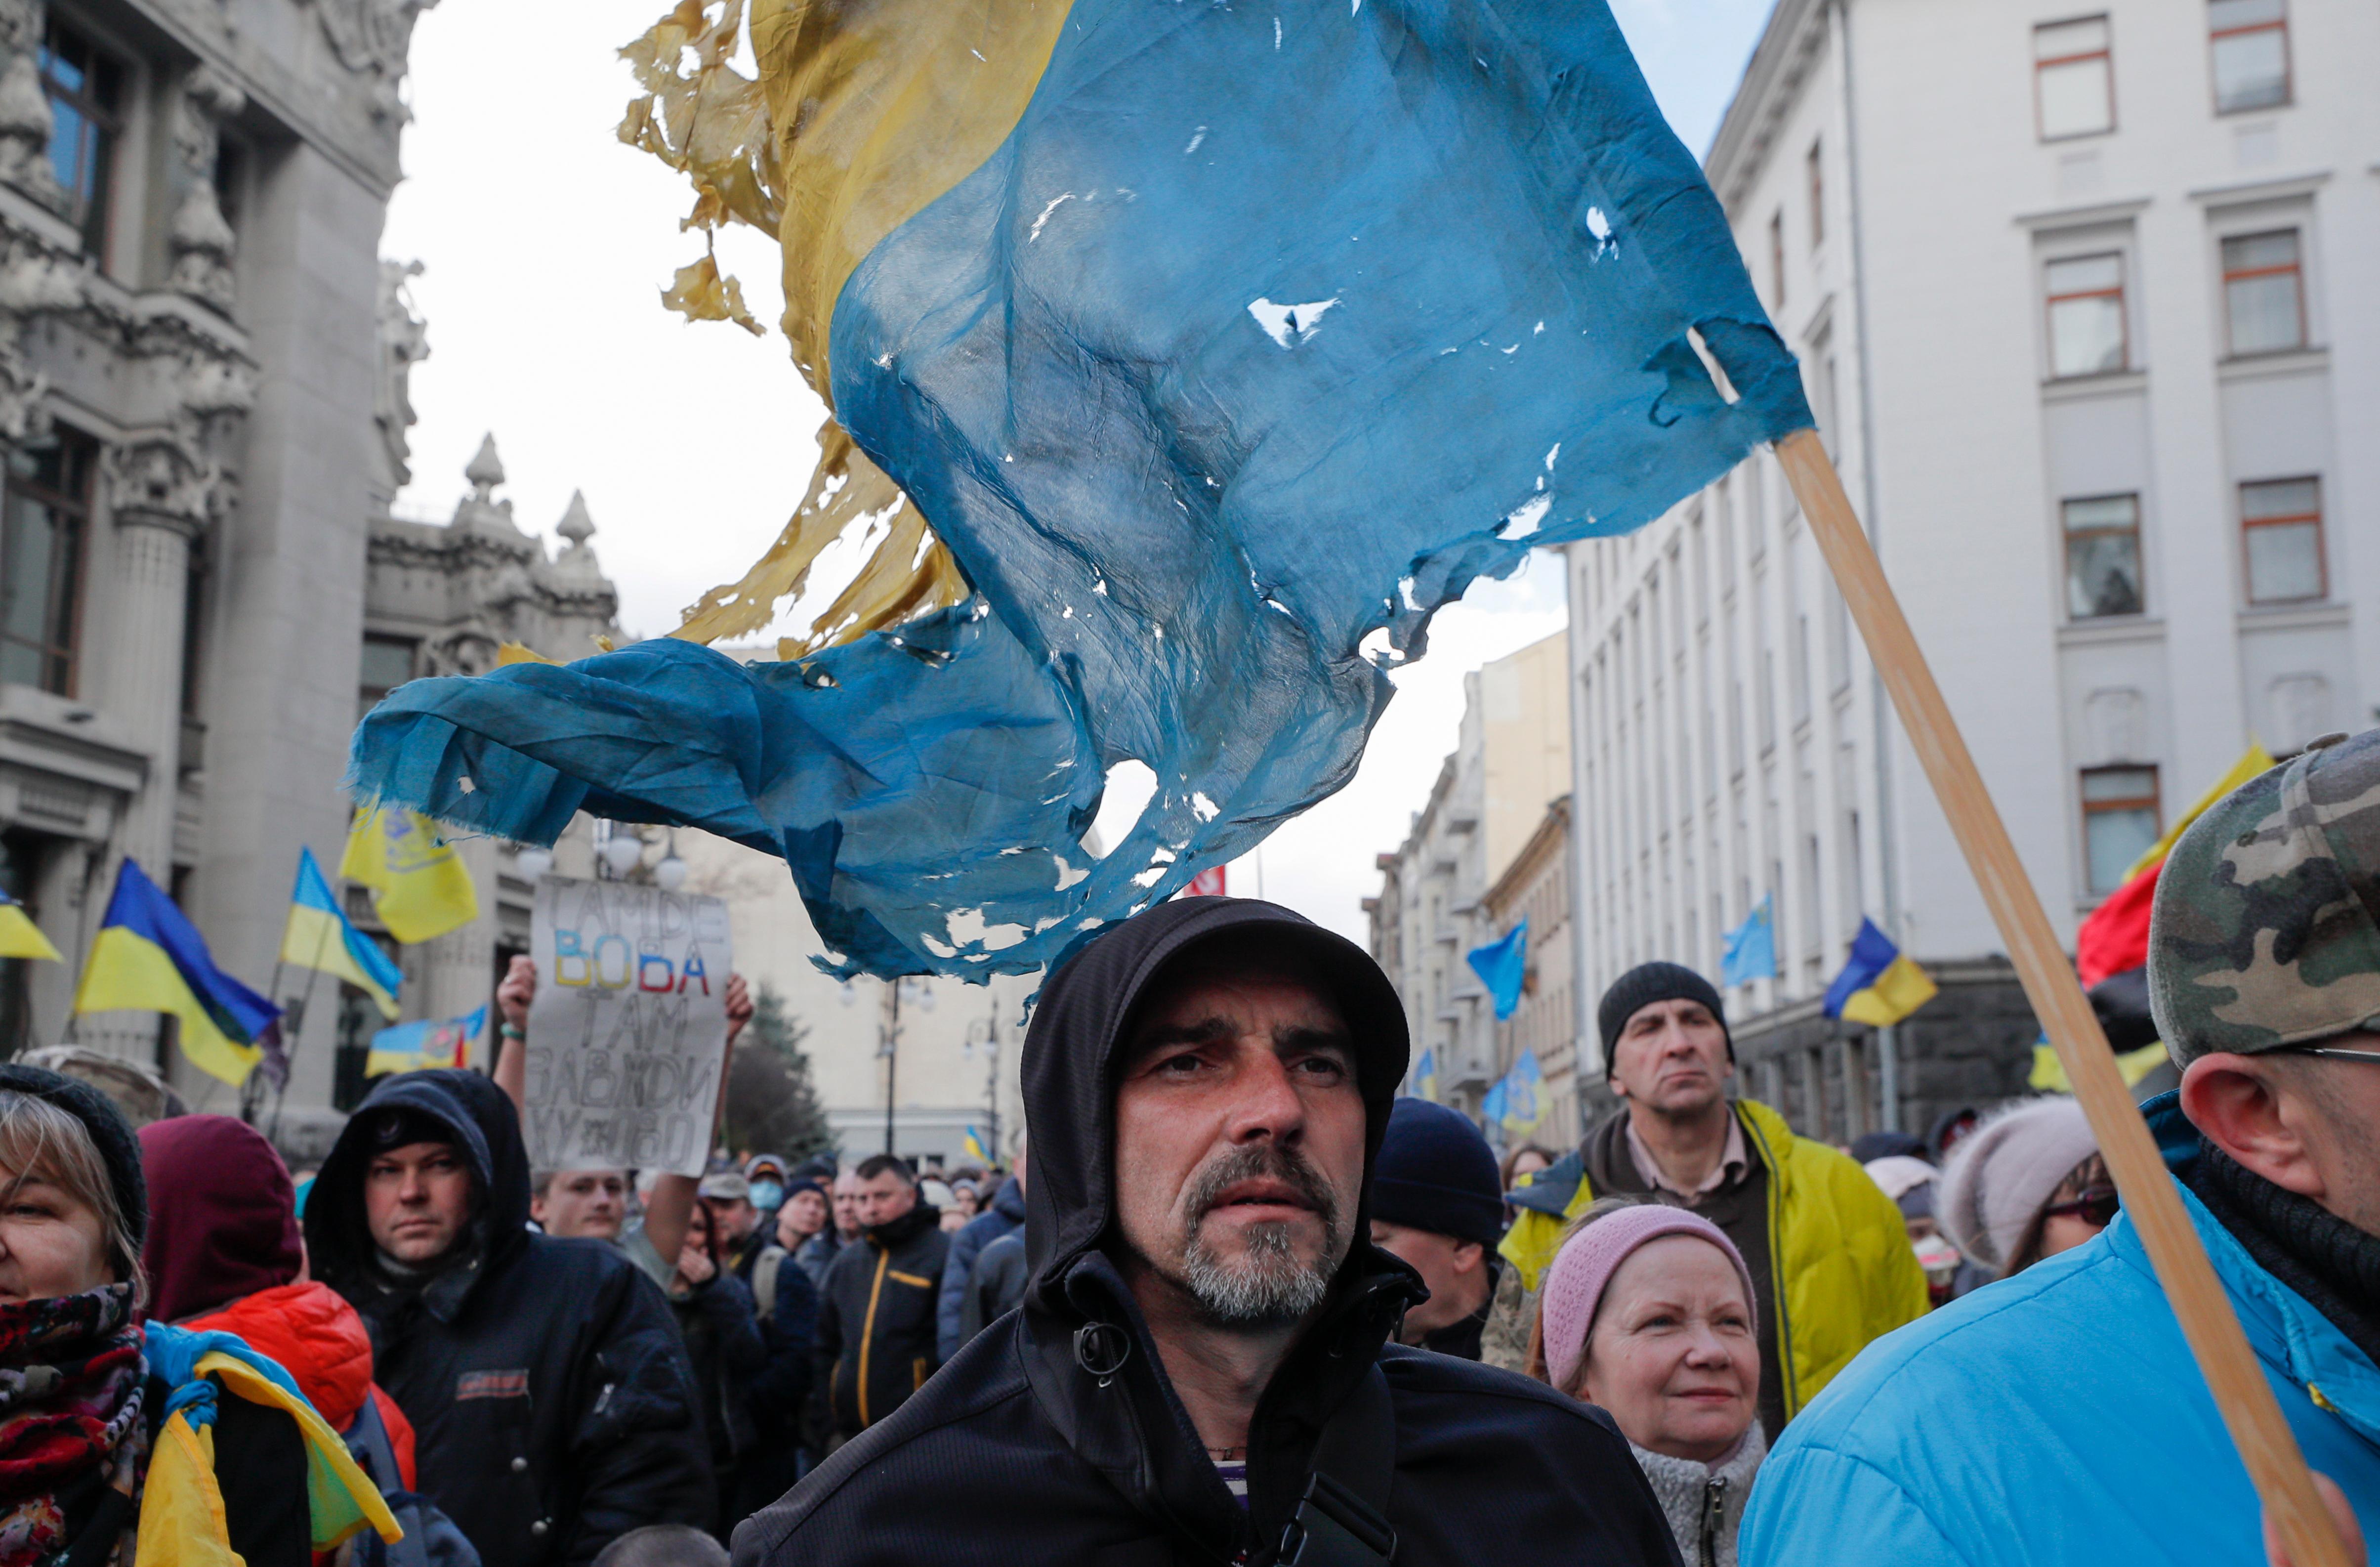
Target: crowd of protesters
x=1244 y=1304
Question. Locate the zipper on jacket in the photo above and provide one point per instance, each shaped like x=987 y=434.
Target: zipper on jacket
x=1713 y=1519
x=868 y=1329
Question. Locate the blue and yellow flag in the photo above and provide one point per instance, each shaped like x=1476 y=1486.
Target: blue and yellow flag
x=318 y=936
x=971 y=1145
x=1519 y=1103
x=410 y=1047
x=149 y=957
x=19 y=936
x=1425 y=1075
x=420 y=887
x=1186 y=358
x=1879 y=985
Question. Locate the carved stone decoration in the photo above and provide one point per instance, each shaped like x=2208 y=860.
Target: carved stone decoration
x=25 y=122
x=160 y=479
x=373 y=38
x=403 y=342
x=200 y=239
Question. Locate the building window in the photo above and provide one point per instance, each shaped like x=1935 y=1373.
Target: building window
x=85 y=89
x=2119 y=822
x=2086 y=315
x=1777 y=259
x=2264 y=291
x=1817 y=197
x=2102 y=556
x=2281 y=519
x=388 y=664
x=2251 y=41
x=2073 y=81
x=45 y=531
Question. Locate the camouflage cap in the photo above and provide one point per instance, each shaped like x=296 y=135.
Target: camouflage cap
x=2266 y=927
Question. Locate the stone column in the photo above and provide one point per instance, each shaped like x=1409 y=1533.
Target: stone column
x=157 y=499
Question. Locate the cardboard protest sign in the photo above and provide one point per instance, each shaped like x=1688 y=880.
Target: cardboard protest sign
x=628 y=1031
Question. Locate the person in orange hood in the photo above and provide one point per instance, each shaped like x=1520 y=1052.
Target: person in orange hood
x=224 y=1253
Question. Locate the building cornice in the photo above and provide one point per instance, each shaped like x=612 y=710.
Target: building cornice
x=1780 y=61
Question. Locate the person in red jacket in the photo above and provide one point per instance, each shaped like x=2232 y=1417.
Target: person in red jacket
x=224 y=1253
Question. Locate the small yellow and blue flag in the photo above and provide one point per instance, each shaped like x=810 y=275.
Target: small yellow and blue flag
x=971 y=1144
x=1880 y=985
x=420 y=887
x=410 y=1047
x=19 y=936
x=149 y=957
x=318 y=936
x=1425 y=1075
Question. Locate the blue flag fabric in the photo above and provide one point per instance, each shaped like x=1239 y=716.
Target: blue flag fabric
x=1504 y=966
x=1216 y=384
x=1750 y=951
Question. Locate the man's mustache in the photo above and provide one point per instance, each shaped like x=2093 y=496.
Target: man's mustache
x=1261 y=1161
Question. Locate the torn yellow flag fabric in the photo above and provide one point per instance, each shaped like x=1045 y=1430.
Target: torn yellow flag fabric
x=19 y=936
x=420 y=887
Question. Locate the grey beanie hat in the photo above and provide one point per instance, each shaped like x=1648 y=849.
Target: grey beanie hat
x=2003 y=1173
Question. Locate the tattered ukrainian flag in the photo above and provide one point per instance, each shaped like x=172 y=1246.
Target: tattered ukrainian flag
x=149 y=957
x=318 y=936
x=1184 y=360
x=1879 y=985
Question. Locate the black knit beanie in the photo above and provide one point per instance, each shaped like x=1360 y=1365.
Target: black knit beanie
x=118 y=1144
x=1643 y=985
x=1436 y=1173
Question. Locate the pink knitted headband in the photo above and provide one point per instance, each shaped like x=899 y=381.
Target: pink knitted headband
x=1576 y=1282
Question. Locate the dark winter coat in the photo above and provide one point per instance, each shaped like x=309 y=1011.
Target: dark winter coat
x=552 y=1406
x=1017 y=1452
x=725 y=1348
x=995 y=1287
x=1004 y=1217
x=875 y=1340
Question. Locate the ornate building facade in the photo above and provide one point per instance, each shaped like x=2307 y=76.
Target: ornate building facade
x=203 y=416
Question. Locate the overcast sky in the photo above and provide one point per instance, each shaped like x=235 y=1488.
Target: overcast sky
x=545 y=244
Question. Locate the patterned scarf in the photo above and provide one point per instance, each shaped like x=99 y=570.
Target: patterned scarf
x=70 y=1375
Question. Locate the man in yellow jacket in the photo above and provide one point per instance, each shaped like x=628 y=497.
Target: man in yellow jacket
x=1829 y=1256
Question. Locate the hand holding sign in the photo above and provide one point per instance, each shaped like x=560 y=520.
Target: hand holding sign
x=627 y=1031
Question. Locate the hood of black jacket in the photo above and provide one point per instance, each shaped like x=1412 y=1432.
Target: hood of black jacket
x=486 y=1130
x=1078 y=1030
x=895 y=1232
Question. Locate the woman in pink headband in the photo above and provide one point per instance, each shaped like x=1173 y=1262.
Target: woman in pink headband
x=1647 y=1312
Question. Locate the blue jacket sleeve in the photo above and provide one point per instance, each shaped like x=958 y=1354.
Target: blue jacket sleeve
x=1811 y=1504
x=956 y=1268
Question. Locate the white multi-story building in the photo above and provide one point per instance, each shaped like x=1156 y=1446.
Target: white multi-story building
x=2082 y=292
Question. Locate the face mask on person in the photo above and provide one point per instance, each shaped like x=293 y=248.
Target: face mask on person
x=767 y=1194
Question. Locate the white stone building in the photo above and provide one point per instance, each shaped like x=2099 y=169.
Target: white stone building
x=1510 y=761
x=2081 y=292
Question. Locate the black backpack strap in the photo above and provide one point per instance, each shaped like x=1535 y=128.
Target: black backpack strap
x=1343 y=1521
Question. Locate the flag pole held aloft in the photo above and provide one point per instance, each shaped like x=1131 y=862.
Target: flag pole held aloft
x=2267 y=1445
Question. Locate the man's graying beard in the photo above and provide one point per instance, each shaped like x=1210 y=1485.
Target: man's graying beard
x=1267 y=1283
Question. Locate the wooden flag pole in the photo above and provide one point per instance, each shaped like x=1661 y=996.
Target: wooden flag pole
x=2267 y=1444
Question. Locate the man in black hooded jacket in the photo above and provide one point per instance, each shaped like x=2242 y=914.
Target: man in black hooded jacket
x=1201 y=1371
x=552 y=1404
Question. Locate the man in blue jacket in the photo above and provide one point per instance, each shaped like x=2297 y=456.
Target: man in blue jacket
x=1004 y=1217
x=2056 y=1419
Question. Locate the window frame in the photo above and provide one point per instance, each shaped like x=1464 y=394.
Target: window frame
x=2154 y=800
x=2215 y=37
x=2049 y=302
x=77 y=510
x=2294 y=519
x=2068 y=532
x=1817 y=169
x=1776 y=258
x=108 y=121
x=2106 y=54
x=2296 y=271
